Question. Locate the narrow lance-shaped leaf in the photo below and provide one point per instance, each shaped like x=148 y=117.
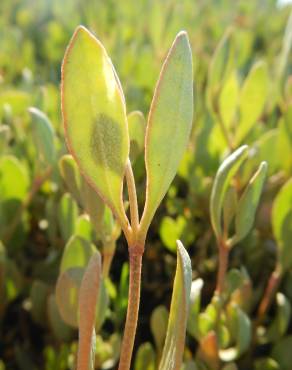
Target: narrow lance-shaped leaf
x=43 y=134
x=254 y=89
x=226 y=171
x=175 y=338
x=94 y=116
x=282 y=224
x=248 y=203
x=89 y=291
x=169 y=124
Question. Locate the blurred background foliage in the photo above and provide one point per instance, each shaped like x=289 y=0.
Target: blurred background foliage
x=243 y=94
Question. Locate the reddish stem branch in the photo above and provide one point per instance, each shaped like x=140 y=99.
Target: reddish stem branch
x=135 y=254
x=223 y=265
x=269 y=294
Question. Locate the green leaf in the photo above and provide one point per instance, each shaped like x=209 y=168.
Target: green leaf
x=14 y=180
x=158 y=324
x=84 y=227
x=77 y=253
x=229 y=207
x=61 y=330
x=43 y=133
x=282 y=223
x=67 y=291
x=281 y=320
x=71 y=175
x=137 y=127
x=222 y=179
x=266 y=364
x=282 y=352
x=94 y=115
x=145 y=357
x=169 y=124
x=175 y=338
x=228 y=100
x=240 y=328
x=89 y=291
x=82 y=192
x=248 y=203
x=286 y=48
x=255 y=89
x=5 y=133
x=284 y=144
x=67 y=216
x=171 y=230
x=221 y=64
x=94 y=206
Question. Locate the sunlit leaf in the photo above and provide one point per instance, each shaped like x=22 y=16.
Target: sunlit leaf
x=94 y=116
x=255 y=89
x=282 y=223
x=175 y=338
x=169 y=124
x=228 y=100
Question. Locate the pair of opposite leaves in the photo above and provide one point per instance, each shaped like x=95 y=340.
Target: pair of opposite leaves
x=96 y=127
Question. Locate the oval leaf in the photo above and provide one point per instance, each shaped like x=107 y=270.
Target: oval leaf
x=175 y=337
x=43 y=134
x=145 y=357
x=77 y=253
x=94 y=116
x=169 y=124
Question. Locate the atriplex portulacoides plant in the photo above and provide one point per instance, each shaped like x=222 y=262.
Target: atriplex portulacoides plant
x=94 y=114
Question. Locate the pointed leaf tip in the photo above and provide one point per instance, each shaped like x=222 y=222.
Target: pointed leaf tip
x=171 y=358
x=169 y=124
x=92 y=95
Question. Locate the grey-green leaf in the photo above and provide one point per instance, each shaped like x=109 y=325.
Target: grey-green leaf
x=248 y=203
x=43 y=133
x=175 y=338
x=226 y=171
x=169 y=124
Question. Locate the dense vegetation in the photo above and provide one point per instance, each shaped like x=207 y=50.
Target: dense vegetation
x=242 y=95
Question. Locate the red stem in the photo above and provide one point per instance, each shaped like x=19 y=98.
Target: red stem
x=135 y=258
